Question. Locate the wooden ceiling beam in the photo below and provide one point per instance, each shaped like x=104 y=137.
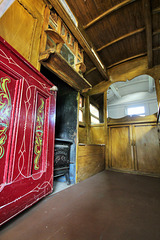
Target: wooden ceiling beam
x=99 y=88
x=156 y=10
x=115 y=91
x=80 y=35
x=156 y=32
x=156 y=48
x=121 y=38
x=90 y=70
x=109 y=11
x=127 y=59
x=148 y=23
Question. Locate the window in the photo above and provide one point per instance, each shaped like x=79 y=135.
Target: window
x=68 y=38
x=67 y=54
x=63 y=30
x=81 y=109
x=94 y=114
x=136 y=111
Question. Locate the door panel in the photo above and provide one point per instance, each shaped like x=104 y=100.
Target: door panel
x=120 y=147
x=27 y=121
x=147 y=148
x=8 y=96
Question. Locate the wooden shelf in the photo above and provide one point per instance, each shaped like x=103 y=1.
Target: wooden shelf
x=58 y=65
x=132 y=120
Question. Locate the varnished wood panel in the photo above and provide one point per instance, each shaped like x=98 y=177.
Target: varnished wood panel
x=154 y=4
x=91 y=9
x=94 y=77
x=112 y=26
x=124 y=49
x=82 y=134
x=97 y=134
x=90 y=161
x=21 y=27
x=147 y=148
x=132 y=69
x=120 y=155
x=156 y=57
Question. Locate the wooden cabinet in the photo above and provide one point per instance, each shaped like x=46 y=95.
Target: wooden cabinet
x=134 y=147
x=27 y=122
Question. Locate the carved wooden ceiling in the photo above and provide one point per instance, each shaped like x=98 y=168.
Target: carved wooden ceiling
x=120 y=30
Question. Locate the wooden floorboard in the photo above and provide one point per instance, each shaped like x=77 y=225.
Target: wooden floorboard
x=107 y=206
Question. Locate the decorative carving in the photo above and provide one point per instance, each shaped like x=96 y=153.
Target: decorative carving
x=45 y=55
x=5 y=111
x=54 y=35
x=81 y=67
x=39 y=134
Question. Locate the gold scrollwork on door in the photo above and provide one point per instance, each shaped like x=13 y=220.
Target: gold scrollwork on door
x=5 y=111
x=39 y=134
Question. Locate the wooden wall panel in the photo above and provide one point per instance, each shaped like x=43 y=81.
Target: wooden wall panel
x=147 y=148
x=90 y=161
x=120 y=156
x=82 y=135
x=97 y=135
x=21 y=27
x=135 y=147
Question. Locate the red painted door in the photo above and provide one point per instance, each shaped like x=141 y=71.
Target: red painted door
x=27 y=123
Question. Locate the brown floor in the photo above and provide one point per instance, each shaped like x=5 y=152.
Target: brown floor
x=107 y=206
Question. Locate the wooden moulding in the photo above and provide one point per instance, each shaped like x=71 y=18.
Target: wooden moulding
x=58 y=65
x=81 y=66
x=45 y=55
x=133 y=120
x=54 y=35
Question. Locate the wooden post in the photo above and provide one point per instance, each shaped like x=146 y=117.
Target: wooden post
x=157 y=90
x=87 y=118
x=106 y=129
x=45 y=27
x=77 y=138
x=148 y=23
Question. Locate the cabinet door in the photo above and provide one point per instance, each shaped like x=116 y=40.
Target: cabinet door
x=147 y=148
x=120 y=149
x=27 y=121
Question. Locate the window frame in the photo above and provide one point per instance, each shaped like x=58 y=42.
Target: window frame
x=82 y=109
x=94 y=116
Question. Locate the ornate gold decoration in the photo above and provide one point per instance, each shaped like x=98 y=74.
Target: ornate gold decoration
x=5 y=111
x=39 y=134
